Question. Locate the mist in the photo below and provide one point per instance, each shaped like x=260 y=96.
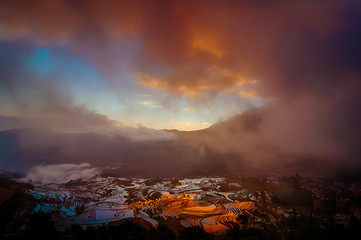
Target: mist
x=60 y=173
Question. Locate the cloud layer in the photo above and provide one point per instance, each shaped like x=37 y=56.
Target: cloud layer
x=60 y=173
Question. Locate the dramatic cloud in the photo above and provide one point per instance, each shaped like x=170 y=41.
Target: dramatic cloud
x=304 y=56
x=185 y=45
x=61 y=173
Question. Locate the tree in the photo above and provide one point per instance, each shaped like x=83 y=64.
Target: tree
x=164 y=233
x=40 y=226
x=194 y=233
x=79 y=209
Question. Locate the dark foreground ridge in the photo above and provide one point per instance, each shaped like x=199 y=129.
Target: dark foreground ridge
x=40 y=226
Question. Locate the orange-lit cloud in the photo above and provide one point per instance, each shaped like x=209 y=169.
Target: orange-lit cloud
x=249 y=94
x=203 y=43
x=152 y=82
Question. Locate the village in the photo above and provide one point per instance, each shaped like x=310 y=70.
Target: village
x=214 y=203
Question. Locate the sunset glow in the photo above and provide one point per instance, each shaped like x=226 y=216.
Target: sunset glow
x=179 y=119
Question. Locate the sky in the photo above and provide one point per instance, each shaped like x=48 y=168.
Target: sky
x=180 y=64
x=289 y=69
x=117 y=59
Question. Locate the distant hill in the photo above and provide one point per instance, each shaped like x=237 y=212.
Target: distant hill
x=22 y=149
x=234 y=146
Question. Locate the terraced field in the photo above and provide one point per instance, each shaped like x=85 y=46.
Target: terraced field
x=212 y=216
x=216 y=204
x=104 y=200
